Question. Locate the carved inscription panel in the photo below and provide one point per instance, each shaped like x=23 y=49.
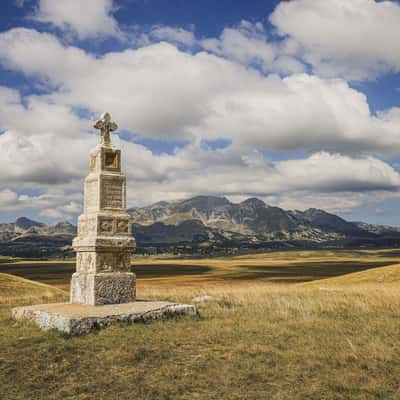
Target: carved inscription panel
x=112 y=193
x=112 y=160
x=113 y=262
x=91 y=195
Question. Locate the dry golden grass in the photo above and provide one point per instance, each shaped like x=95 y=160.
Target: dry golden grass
x=254 y=340
x=15 y=289
x=275 y=267
x=383 y=276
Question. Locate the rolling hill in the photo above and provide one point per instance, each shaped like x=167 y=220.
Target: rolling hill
x=389 y=275
x=14 y=289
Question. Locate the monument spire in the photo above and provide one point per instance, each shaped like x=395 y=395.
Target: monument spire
x=104 y=243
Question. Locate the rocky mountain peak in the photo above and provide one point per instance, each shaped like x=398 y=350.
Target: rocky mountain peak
x=253 y=202
x=26 y=223
x=204 y=202
x=63 y=224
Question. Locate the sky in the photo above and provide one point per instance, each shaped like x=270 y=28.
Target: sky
x=294 y=102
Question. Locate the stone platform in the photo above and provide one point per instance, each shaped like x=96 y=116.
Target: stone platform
x=76 y=319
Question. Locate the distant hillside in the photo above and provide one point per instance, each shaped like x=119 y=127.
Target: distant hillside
x=14 y=289
x=378 y=229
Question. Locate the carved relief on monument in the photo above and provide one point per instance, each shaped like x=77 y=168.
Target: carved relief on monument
x=124 y=262
x=112 y=192
x=105 y=225
x=106 y=262
x=85 y=262
x=115 y=290
x=122 y=226
x=113 y=262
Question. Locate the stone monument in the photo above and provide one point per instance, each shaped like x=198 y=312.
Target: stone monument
x=103 y=288
x=104 y=243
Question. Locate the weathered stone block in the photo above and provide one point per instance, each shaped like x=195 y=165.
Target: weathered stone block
x=103 y=288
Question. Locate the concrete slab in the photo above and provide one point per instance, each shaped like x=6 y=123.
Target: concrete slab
x=76 y=319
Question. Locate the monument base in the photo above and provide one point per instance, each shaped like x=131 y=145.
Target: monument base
x=103 y=288
x=76 y=319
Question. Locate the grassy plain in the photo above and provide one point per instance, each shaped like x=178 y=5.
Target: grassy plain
x=282 y=325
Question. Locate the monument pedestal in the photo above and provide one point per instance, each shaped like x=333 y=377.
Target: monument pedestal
x=75 y=319
x=103 y=289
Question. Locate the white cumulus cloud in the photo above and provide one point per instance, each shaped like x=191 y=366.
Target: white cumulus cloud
x=248 y=44
x=357 y=39
x=86 y=19
x=174 y=35
x=159 y=91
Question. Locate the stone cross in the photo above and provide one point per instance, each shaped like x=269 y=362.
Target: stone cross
x=105 y=125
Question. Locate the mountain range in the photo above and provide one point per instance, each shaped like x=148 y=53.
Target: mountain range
x=209 y=218
x=209 y=222
x=28 y=238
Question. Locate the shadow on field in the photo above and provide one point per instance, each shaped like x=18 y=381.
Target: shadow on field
x=60 y=273
x=162 y=270
x=390 y=253
x=307 y=271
